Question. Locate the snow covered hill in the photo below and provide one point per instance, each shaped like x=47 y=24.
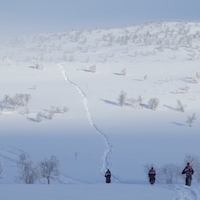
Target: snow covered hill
x=73 y=80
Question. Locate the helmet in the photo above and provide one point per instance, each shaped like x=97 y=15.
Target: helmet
x=188 y=163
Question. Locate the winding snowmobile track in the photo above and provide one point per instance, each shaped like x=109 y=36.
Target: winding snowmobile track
x=106 y=163
x=185 y=192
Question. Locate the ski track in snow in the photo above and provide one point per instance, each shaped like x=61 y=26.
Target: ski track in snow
x=106 y=163
x=185 y=192
x=9 y=153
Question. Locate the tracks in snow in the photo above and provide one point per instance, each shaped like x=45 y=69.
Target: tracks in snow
x=106 y=163
x=185 y=192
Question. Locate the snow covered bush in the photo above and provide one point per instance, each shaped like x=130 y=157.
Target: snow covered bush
x=198 y=75
x=122 y=98
x=39 y=117
x=38 y=64
x=50 y=115
x=48 y=168
x=136 y=103
x=28 y=172
x=65 y=109
x=93 y=68
x=18 y=100
x=124 y=72
x=169 y=173
x=186 y=89
x=153 y=103
x=145 y=77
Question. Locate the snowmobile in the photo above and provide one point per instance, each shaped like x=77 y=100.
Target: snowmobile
x=108 y=179
x=188 y=179
x=108 y=176
x=152 y=180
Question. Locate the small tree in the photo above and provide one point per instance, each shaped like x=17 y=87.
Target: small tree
x=187 y=88
x=169 y=173
x=27 y=98
x=28 y=173
x=153 y=103
x=124 y=72
x=93 y=68
x=49 y=168
x=191 y=119
x=180 y=106
x=122 y=98
x=65 y=109
x=39 y=117
x=146 y=77
x=136 y=103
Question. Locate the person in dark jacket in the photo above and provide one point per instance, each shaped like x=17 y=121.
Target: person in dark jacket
x=108 y=176
x=188 y=171
x=152 y=175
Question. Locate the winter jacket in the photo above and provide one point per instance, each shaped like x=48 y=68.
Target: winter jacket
x=108 y=173
x=152 y=172
x=188 y=170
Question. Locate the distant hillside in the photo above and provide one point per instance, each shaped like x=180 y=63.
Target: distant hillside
x=176 y=40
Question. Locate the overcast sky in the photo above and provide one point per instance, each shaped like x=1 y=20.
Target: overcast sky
x=33 y=16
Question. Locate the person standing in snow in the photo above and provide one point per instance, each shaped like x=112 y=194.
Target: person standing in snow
x=188 y=171
x=152 y=174
x=108 y=176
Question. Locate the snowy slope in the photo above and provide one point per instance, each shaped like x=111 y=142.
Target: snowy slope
x=161 y=60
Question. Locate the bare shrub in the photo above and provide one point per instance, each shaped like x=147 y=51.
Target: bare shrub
x=186 y=89
x=93 y=68
x=180 y=107
x=27 y=98
x=16 y=101
x=50 y=115
x=191 y=119
x=153 y=103
x=136 y=103
x=124 y=72
x=198 y=75
x=169 y=173
x=39 y=117
x=122 y=98
x=146 y=77
x=38 y=64
x=65 y=109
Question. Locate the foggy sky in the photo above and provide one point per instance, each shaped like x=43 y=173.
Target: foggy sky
x=33 y=16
